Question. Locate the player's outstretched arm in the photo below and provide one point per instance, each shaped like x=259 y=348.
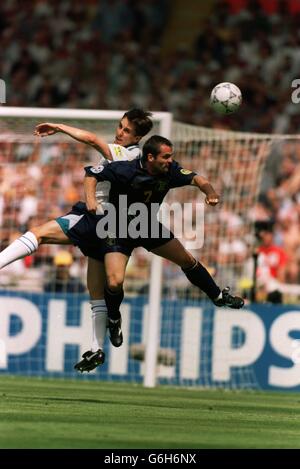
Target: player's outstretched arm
x=212 y=198
x=89 y=185
x=48 y=128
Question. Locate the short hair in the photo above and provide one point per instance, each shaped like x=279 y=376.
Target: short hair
x=141 y=121
x=153 y=144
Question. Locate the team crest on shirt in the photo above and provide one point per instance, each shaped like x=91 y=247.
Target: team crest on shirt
x=97 y=169
x=117 y=151
x=185 y=171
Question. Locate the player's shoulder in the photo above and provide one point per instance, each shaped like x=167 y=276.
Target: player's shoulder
x=134 y=150
x=176 y=167
x=120 y=153
x=125 y=167
x=178 y=173
x=125 y=163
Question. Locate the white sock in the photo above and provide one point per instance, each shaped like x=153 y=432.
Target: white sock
x=21 y=247
x=99 y=319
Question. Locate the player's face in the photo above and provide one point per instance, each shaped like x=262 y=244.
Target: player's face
x=125 y=134
x=161 y=163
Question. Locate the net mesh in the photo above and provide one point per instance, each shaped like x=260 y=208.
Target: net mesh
x=233 y=163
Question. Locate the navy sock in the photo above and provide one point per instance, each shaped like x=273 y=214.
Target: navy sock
x=113 y=301
x=200 y=277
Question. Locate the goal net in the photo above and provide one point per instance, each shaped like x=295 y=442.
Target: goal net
x=44 y=332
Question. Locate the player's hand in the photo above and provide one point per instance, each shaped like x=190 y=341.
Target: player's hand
x=45 y=129
x=212 y=199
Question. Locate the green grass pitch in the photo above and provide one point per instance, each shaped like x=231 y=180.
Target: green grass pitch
x=48 y=413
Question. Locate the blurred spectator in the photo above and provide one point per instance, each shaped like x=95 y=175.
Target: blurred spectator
x=272 y=259
x=62 y=281
x=28 y=205
x=76 y=56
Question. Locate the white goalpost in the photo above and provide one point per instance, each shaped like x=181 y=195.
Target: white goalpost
x=171 y=331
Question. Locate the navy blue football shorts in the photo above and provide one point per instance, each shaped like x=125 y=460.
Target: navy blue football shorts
x=80 y=226
x=127 y=245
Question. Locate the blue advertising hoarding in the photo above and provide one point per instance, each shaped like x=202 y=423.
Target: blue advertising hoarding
x=257 y=347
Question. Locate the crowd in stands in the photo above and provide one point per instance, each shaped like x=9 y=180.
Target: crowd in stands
x=108 y=54
x=38 y=183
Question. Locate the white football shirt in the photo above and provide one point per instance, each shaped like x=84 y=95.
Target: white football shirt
x=118 y=153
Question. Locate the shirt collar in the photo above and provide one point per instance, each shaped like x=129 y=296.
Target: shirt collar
x=141 y=164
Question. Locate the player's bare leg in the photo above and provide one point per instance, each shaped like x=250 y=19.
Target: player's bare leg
x=50 y=233
x=95 y=283
x=175 y=252
x=28 y=243
x=95 y=279
x=197 y=274
x=115 y=267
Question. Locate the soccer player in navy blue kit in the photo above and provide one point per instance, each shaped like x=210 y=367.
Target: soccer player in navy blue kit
x=147 y=181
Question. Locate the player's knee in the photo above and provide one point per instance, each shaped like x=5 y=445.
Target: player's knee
x=37 y=233
x=188 y=261
x=114 y=282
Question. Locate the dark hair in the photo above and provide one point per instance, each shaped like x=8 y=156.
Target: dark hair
x=153 y=144
x=141 y=121
x=265 y=225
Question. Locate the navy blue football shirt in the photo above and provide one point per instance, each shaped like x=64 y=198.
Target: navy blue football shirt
x=130 y=178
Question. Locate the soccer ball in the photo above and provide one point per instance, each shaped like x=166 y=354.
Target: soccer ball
x=225 y=98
